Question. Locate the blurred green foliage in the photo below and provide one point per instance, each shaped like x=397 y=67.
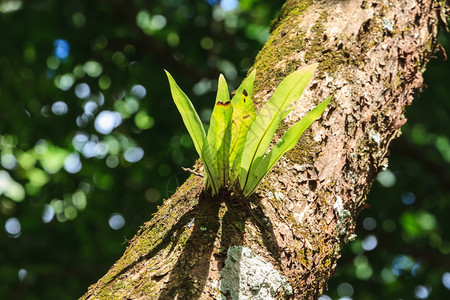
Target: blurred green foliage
x=90 y=143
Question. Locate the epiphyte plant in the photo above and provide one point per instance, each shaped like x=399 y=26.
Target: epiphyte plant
x=234 y=149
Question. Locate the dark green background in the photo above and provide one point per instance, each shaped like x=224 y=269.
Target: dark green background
x=117 y=45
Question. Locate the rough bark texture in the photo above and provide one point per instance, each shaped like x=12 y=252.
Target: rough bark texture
x=371 y=57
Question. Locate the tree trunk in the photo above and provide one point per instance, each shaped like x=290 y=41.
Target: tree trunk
x=284 y=242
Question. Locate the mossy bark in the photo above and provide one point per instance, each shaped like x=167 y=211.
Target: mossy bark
x=371 y=57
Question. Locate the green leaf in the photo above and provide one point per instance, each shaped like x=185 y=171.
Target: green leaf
x=243 y=116
x=266 y=123
x=196 y=131
x=219 y=132
x=286 y=143
x=246 y=85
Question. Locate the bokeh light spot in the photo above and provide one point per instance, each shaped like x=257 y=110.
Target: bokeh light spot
x=78 y=71
x=229 y=5
x=152 y=195
x=89 y=150
x=93 y=68
x=212 y=2
x=369 y=223
x=143 y=120
x=218 y=14
x=389 y=225
x=37 y=177
x=422 y=292
x=22 y=274
x=72 y=163
x=82 y=90
x=426 y=221
x=53 y=62
x=133 y=154
x=408 y=198
x=345 y=289
x=202 y=86
x=90 y=107
x=104 y=82
x=106 y=121
x=139 y=91
x=11 y=188
x=65 y=82
x=60 y=108
x=78 y=19
x=228 y=68
x=79 y=200
x=158 y=22
x=70 y=213
x=388 y=276
x=79 y=140
x=48 y=213
x=402 y=264
x=13 y=227
x=8 y=161
x=173 y=39
x=363 y=271
x=131 y=105
x=26 y=160
x=369 y=243
x=119 y=59
x=10 y=6
x=207 y=43
x=112 y=161
x=386 y=178
x=61 y=49
x=101 y=149
x=116 y=221
x=113 y=145
x=446 y=280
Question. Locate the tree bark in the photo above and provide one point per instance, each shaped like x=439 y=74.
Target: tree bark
x=284 y=242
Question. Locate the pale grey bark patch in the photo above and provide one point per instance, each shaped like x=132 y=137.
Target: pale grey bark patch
x=343 y=215
x=248 y=276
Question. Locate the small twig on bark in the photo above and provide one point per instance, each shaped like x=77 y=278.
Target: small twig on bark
x=192 y=171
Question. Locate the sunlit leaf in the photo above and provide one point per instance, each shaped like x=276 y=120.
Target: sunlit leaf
x=243 y=116
x=266 y=123
x=286 y=143
x=246 y=85
x=219 y=132
x=196 y=131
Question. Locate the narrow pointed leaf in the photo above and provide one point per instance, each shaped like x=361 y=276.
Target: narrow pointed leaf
x=243 y=116
x=286 y=143
x=246 y=85
x=224 y=97
x=196 y=131
x=266 y=123
x=219 y=132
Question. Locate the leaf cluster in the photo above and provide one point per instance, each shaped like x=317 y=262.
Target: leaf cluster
x=234 y=126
